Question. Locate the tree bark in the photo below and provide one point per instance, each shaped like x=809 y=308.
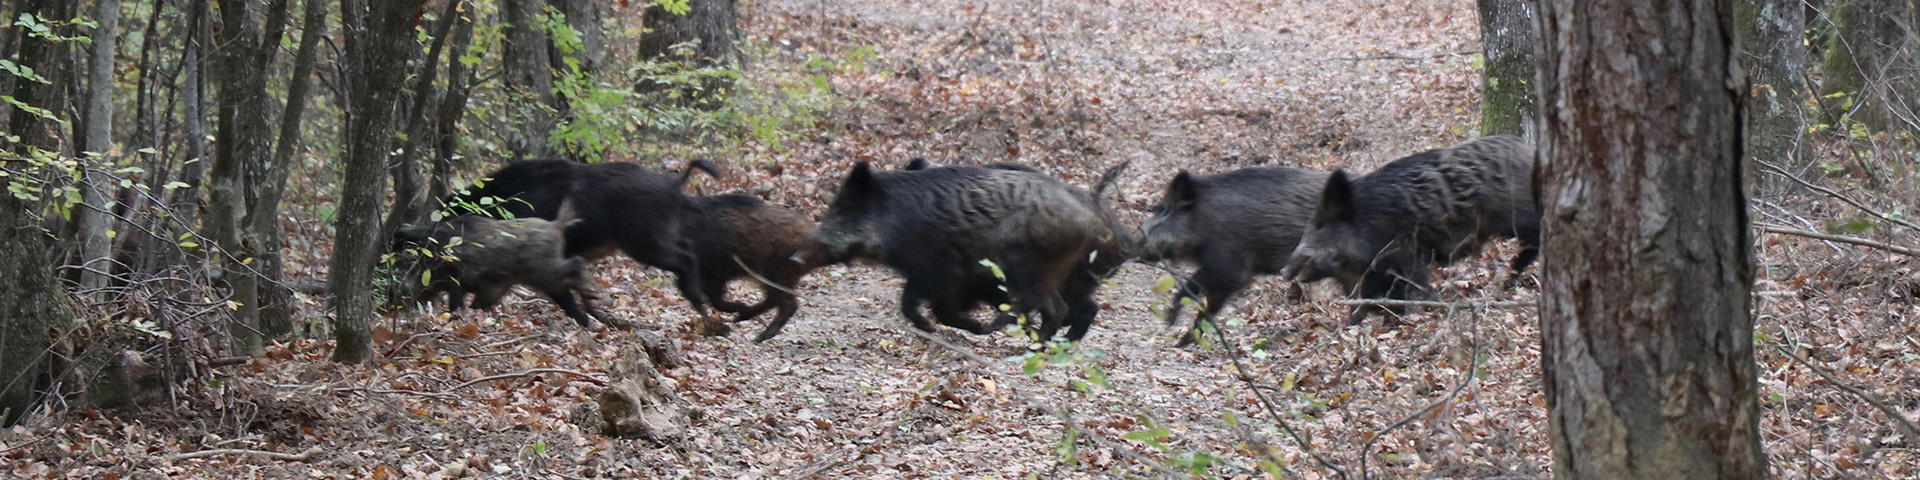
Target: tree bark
x=1644 y=307
x=709 y=26
x=409 y=201
x=95 y=219
x=1507 y=40
x=1773 y=51
x=276 y=301
x=529 y=78
x=584 y=17
x=379 y=44
x=33 y=308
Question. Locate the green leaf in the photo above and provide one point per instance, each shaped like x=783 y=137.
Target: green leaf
x=173 y=185
x=1032 y=366
x=1166 y=284
x=1069 y=448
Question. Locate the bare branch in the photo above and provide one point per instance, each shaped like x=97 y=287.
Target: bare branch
x=1908 y=251
x=284 y=457
x=1912 y=430
x=1776 y=170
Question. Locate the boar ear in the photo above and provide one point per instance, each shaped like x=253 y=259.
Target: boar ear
x=918 y=164
x=1336 y=201
x=1182 y=191
x=861 y=183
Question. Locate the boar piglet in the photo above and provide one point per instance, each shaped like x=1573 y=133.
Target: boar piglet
x=488 y=257
x=1233 y=225
x=935 y=225
x=1378 y=235
x=730 y=230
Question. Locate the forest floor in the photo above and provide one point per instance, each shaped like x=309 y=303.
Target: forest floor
x=1071 y=86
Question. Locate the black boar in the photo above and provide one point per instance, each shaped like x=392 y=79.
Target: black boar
x=935 y=225
x=1377 y=235
x=1233 y=225
x=762 y=236
x=488 y=257
x=1116 y=245
x=620 y=206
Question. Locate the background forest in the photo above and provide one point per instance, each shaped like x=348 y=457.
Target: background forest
x=195 y=279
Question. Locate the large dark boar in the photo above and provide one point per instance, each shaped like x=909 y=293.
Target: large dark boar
x=621 y=206
x=935 y=225
x=1233 y=225
x=1377 y=235
x=488 y=257
x=1117 y=244
x=762 y=236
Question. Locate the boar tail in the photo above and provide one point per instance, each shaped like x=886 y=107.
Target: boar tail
x=567 y=216
x=701 y=165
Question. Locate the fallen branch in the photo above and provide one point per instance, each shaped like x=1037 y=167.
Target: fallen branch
x=1776 y=170
x=588 y=378
x=1399 y=57
x=1913 y=431
x=1384 y=302
x=243 y=453
x=1908 y=251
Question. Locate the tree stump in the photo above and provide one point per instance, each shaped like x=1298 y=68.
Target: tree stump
x=639 y=402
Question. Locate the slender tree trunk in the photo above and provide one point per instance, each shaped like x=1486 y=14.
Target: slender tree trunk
x=186 y=200
x=1773 y=51
x=95 y=220
x=245 y=142
x=1647 y=343
x=584 y=17
x=379 y=44
x=529 y=78
x=135 y=241
x=33 y=308
x=453 y=105
x=1872 y=39
x=276 y=301
x=1507 y=38
x=409 y=202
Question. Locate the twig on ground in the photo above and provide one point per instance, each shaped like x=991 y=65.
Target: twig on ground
x=243 y=453
x=1912 y=430
x=1908 y=251
x=1245 y=375
x=1399 y=57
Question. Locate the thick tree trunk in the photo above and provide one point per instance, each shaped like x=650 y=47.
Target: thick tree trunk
x=709 y=26
x=33 y=308
x=530 y=79
x=1647 y=341
x=276 y=301
x=1507 y=39
x=1773 y=51
x=584 y=17
x=95 y=189
x=379 y=44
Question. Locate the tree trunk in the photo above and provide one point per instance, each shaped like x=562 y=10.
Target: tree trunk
x=1773 y=51
x=33 y=309
x=1864 y=57
x=1646 y=335
x=245 y=142
x=709 y=26
x=584 y=17
x=185 y=200
x=379 y=44
x=276 y=301
x=409 y=202
x=95 y=219
x=453 y=105
x=529 y=79
x=1507 y=38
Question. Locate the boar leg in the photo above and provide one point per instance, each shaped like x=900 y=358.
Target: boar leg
x=1034 y=283
x=1412 y=285
x=565 y=299
x=1218 y=280
x=788 y=304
